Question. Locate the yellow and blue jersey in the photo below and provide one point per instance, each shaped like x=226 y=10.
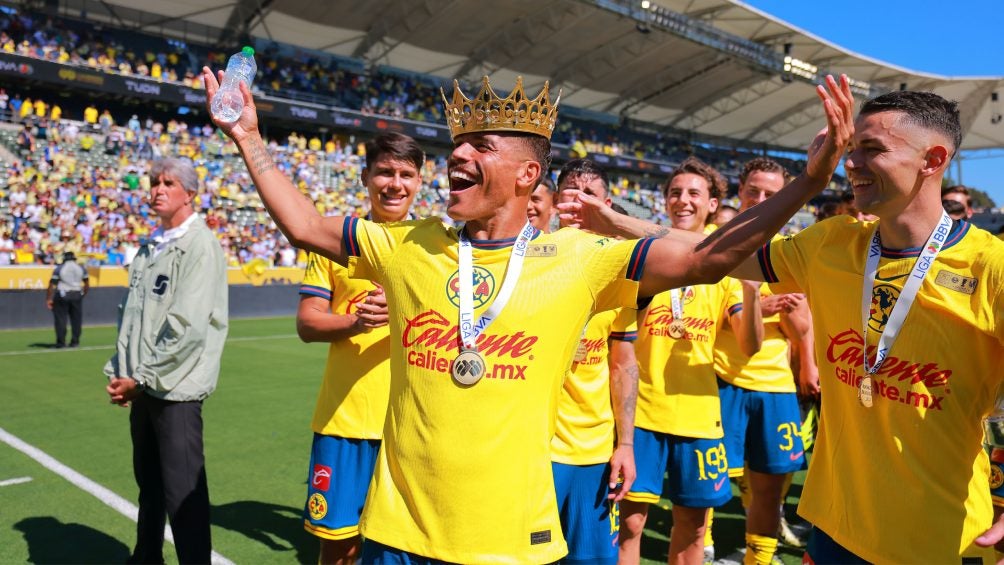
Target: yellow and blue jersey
x=917 y=451
x=767 y=370
x=585 y=430
x=464 y=473
x=352 y=402
x=677 y=388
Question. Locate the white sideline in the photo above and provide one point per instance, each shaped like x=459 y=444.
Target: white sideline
x=121 y=505
x=15 y=481
x=100 y=347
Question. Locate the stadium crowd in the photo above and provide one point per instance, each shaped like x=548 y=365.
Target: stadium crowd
x=322 y=78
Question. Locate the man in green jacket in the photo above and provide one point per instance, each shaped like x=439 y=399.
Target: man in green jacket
x=172 y=327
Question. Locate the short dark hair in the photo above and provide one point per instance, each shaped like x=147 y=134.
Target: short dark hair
x=546 y=181
x=583 y=168
x=395 y=145
x=764 y=164
x=958 y=189
x=925 y=109
x=539 y=148
x=953 y=207
x=717 y=185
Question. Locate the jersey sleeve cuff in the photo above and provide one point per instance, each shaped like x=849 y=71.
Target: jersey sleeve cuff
x=624 y=336
x=350 y=243
x=763 y=256
x=636 y=266
x=733 y=310
x=311 y=290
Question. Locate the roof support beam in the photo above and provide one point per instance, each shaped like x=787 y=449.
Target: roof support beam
x=737 y=96
x=239 y=22
x=786 y=121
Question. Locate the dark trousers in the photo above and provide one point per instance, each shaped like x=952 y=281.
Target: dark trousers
x=171 y=473
x=72 y=306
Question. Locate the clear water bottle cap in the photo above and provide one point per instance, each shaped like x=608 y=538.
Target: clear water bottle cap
x=248 y=51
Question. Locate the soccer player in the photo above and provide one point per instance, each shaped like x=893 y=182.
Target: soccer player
x=463 y=473
x=760 y=412
x=351 y=315
x=960 y=194
x=679 y=424
x=592 y=451
x=908 y=371
x=541 y=210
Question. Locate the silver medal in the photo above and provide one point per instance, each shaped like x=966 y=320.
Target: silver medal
x=468 y=367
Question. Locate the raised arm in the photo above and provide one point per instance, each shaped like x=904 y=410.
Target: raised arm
x=679 y=259
x=293 y=213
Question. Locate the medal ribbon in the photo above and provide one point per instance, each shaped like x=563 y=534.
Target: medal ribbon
x=906 y=296
x=470 y=329
x=676 y=301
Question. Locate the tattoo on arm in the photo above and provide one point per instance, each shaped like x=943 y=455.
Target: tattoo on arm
x=259 y=159
x=658 y=232
x=631 y=398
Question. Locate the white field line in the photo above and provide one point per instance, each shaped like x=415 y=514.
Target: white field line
x=121 y=505
x=110 y=347
x=15 y=481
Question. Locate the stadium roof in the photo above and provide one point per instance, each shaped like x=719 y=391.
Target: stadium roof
x=613 y=56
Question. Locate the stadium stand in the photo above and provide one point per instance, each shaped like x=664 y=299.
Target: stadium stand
x=73 y=178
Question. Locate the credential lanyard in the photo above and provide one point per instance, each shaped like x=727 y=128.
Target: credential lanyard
x=469 y=328
x=906 y=296
x=676 y=301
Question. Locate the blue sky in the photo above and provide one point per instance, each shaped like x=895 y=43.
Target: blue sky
x=953 y=39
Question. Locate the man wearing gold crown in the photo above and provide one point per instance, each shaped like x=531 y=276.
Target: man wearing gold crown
x=464 y=472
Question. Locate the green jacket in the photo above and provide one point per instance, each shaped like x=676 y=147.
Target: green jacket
x=173 y=321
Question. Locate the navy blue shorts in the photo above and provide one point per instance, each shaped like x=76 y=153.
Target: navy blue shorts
x=697 y=470
x=761 y=428
x=589 y=521
x=340 y=473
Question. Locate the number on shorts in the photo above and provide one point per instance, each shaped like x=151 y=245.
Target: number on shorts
x=789 y=431
x=711 y=462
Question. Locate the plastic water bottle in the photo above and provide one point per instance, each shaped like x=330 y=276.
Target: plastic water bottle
x=228 y=103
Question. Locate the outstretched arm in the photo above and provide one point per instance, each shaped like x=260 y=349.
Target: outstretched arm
x=295 y=215
x=679 y=259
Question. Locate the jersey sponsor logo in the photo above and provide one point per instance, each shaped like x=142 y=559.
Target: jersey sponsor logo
x=484 y=287
x=317 y=506
x=658 y=319
x=431 y=339
x=845 y=353
x=321 y=479
x=350 y=308
x=956 y=282
x=160 y=285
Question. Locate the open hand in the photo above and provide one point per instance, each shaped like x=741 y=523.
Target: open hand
x=829 y=146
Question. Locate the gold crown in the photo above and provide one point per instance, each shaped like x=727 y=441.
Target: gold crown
x=488 y=112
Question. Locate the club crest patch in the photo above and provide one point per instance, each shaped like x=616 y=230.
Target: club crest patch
x=317 y=506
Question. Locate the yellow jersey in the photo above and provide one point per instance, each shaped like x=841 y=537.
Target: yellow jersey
x=352 y=402
x=767 y=370
x=585 y=430
x=905 y=481
x=677 y=389
x=464 y=472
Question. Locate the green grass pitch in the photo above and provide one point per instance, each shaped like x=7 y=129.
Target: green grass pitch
x=257 y=441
